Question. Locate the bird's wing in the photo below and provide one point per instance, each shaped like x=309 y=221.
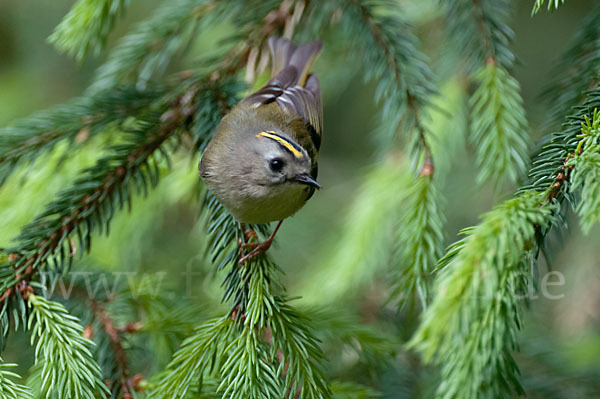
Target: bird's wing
x=292 y=87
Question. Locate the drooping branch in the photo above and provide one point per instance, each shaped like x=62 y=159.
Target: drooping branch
x=404 y=87
x=498 y=124
x=484 y=276
x=392 y=59
x=389 y=43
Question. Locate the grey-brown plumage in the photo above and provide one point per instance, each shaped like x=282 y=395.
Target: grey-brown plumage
x=261 y=163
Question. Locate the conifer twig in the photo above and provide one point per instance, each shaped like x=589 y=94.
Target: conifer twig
x=45 y=240
x=76 y=121
x=552 y=5
x=498 y=123
x=8 y=388
x=119 y=354
x=484 y=275
x=577 y=71
x=64 y=361
x=402 y=80
x=87 y=26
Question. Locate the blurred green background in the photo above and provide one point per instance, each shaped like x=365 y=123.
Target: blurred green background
x=162 y=233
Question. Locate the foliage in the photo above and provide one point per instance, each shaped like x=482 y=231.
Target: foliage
x=26 y=139
x=480 y=284
x=87 y=26
x=498 y=124
x=419 y=231
x=576 y=71
x=9 y=389
x=152 y=45
x=65 y=364
x=484 y=276
x=586 y=172
x=552 y=5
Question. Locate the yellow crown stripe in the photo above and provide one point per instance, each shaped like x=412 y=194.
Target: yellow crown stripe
x=284 y=142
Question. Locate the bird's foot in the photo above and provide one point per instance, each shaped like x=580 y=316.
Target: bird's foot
x=249 y=234
x=258 y=248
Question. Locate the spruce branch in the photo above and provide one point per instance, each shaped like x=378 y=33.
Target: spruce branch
x=8 y=388
x=198 y=354
x=26 y=139
x=90 y=204
x=550 y=167
x=586 y=172
x=404 y=86
x=87 y=26
x=420 y=224
x=576 y=73
x=65 y=364
x=421 y=241
x=149 y=49
x=404 y=80
x=498 y=123
x=119 y=354
x=479 y=28
x=471 y=325
x=552 y=5
x=392 y=59
x=470 y=328
x=263 y=347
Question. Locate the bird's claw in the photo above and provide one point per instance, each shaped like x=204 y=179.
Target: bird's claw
x=258 y=249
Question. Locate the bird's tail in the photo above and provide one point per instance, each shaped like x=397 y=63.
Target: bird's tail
x=285 y=53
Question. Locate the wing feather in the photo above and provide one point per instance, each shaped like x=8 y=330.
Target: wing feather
x=292 y=87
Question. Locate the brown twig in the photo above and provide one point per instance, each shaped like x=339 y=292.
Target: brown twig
x=562 y=177
x=117 y=347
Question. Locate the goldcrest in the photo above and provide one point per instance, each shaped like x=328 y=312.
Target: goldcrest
x=261 y=163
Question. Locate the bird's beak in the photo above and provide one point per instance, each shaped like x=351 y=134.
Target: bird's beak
x=309 y=181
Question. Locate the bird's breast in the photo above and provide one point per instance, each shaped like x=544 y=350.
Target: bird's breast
x=268 y=205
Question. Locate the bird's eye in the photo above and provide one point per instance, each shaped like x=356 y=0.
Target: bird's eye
x=276 y=164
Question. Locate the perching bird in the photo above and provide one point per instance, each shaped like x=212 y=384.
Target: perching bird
x=261 y=163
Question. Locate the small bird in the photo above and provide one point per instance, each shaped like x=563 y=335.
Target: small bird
x=261 y=163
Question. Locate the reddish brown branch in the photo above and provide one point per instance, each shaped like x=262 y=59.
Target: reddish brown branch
x=562 y=177
x=117 y=347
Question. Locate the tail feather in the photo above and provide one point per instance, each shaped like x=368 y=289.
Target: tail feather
x=285 y=53
x=281 y=53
